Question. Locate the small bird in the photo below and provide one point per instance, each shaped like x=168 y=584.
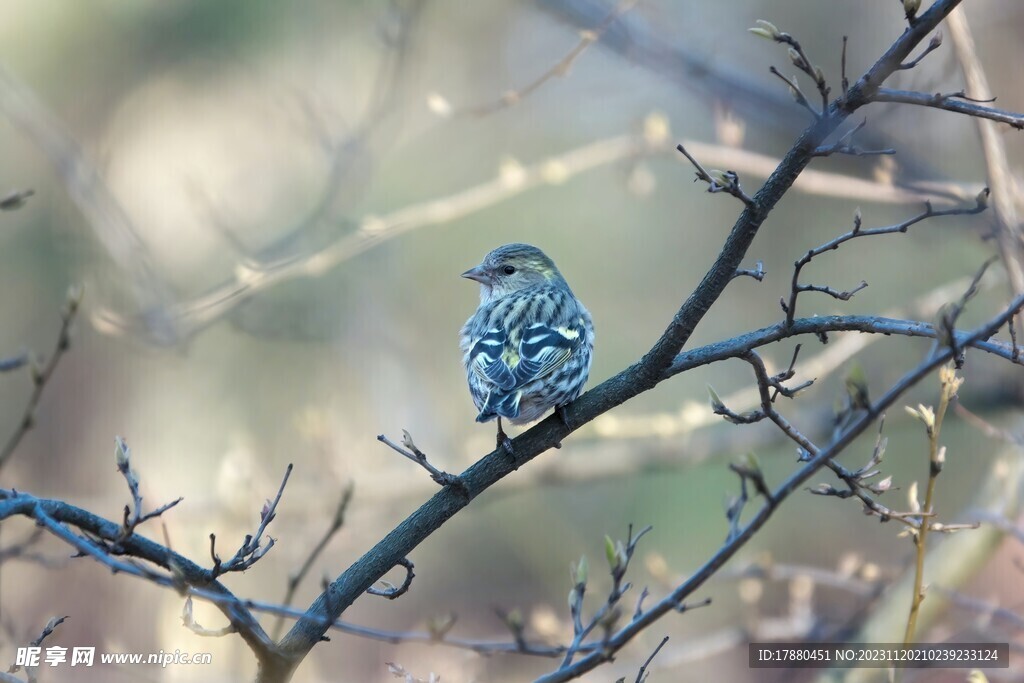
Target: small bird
x=527 y=348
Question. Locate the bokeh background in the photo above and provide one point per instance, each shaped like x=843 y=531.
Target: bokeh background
x=269 y=205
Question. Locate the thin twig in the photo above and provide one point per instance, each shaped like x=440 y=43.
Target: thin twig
x=757 y=272
x=796 y=92
x=789 y=307
x=560 y=69
x=842 y=68
x=933 y=44
x=295 y=579
x=843 y=146
x=956 y=102
x=134 y=516
x=440 y=477
x=392 y=592
x=41 y=376
x=251 y=551
x=619 y=557
x=641 y=675
x=718 y=181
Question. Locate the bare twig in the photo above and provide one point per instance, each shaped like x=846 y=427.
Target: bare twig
x=757 y=272
x=718 y=181
x=950 y=313
x=843 y=146
x=796 y=92
x=933 y=45
x=337 y=521
x=417 y=456
x=189 y=621
x=50 y=627
x=986 y=427
x=560 y=69
x=619 y=556
x=800 y=61
x=981 y=203
x=134 y=516
x=641 y=675
x=192 y=315
x=390 y=591
x=956 y=102
x=251 y=551
x=41 y=376
x=13 y=362
x=15 y=199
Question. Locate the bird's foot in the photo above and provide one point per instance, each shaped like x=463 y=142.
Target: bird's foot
x=563 y=417
x=504 y=443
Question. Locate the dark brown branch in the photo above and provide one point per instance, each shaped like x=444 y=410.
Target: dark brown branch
x=1013 y=339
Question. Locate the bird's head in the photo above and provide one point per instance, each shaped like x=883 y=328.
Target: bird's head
x=510 y=268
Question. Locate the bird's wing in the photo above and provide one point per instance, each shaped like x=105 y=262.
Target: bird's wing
x=488 y=359
x=544 y=348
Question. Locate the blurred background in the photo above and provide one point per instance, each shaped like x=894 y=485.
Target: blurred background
x=269 y=207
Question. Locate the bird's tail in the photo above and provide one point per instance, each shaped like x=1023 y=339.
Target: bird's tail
x=500 y=404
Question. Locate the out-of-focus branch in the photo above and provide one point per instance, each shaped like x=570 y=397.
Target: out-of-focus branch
x=1009 y=231
x=561 y=68
x=41 y=375
x=88 y=190
x=193 y=315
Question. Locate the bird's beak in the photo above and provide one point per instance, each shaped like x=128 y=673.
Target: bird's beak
x=479 y=274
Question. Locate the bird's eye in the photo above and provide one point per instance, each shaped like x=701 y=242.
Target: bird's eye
x=508 y=270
